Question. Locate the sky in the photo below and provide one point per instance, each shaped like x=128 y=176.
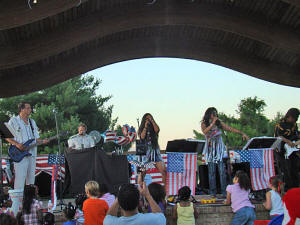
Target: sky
x=178 y=91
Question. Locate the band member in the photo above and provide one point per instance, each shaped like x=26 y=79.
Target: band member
x=25 y=129
x=82 y=139
x=287 y=130
x=215 y=149
x=148 y=132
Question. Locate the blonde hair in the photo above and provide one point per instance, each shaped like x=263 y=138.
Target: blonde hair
x=92 y=187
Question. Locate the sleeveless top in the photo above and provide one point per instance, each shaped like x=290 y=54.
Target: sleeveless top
x=185 y=215
x=214 y=148
x=277 y=206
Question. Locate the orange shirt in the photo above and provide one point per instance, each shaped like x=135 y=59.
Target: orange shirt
x=94 y=211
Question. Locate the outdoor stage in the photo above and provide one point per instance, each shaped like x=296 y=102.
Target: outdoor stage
x=208 y=214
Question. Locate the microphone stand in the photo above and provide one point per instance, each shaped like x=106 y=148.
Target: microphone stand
x=61 y=201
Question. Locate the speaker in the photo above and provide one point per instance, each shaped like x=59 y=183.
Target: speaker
x=183 y=145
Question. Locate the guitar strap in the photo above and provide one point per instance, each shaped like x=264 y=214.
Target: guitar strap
x=31 y=127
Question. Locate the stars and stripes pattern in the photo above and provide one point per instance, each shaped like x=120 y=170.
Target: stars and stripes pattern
x=43 y=166
x=181 y=171
x=261 y=167
x=152 y=171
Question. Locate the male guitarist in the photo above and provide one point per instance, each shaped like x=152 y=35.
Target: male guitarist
x=24 y=129
x=287 y=130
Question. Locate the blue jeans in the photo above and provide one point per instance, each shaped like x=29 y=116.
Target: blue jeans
x=244 y=216
x=212 y=177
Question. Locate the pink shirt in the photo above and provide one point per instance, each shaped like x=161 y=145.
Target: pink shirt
x=239 y=197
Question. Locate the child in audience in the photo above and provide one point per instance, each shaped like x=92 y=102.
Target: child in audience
x=158 y=193
x=94 y=209
x=6 y=219
x=5 y=203
x=184 y=210
x=105 y=195
x=31 y=212
x=274 y=197
x=79 y=217
x=49 y=219
x=238 y=196
x=69 y=213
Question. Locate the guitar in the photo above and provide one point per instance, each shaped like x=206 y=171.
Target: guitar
x=17 y=155
x=289 y=150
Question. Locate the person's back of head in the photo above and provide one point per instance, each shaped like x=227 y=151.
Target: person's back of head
x=6 y=219
x=92 y=188
x=243 y=180
x=80 y=198
x=69 y=211
x=157 y=192
x=277 y=183
x=128 y=197
x=103 y=189
x=29 y=196
x=49 y=219
x=184 y=193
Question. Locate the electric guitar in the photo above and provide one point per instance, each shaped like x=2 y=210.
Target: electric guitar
x=289 y=150
x=17 y=155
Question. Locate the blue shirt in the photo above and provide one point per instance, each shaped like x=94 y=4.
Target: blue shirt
x=137 y=219
x=70 y=222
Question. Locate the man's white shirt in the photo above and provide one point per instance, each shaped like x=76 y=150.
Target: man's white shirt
x=81 y=141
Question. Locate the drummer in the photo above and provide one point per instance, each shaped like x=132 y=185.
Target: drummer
x=82 y=139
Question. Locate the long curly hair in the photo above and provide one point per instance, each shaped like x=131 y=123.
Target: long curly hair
x=208 y=113
x=153 y=135
x=243 y=180
x=184 y=193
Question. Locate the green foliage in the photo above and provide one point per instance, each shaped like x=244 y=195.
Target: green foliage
x=75 y=101
x=251 y=121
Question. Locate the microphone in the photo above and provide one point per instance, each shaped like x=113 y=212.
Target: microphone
x=54 y=111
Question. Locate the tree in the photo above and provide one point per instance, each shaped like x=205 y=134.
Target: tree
x=74 y=100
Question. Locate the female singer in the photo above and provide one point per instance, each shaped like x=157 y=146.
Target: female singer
x=215 y=148
x=148 y=132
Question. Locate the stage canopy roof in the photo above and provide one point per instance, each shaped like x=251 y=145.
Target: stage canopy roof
x=59 y=39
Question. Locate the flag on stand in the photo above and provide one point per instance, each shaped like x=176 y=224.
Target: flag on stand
x=53 y=186
x=181 y=171
x=261 y=168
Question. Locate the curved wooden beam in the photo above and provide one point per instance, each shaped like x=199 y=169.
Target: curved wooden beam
x=96 y=26
x=13 y=14
x=142 y=48
x=293 y=2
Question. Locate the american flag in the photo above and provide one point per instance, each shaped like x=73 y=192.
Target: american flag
x=43 y=166
x=261 y=167
x=181 y=171
x=152 y=171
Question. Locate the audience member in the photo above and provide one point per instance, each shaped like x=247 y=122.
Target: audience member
x=238 y=196
x=158 y=193
x=128 y=200
x=273 y=197
x=94 y=209
x=5 y=204
x=79 y=217
x=6 y=219
x=49 y=219
x=105 y=195
x=291 y=207
x=184 y=210
x=69 y=213
x=31 y=208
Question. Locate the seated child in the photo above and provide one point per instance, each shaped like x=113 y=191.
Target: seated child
x=6 y=203
x=238 y=196
x=184 y=210
x=49 y=219
x=79 y=217
x=158 y=193
x=274 y=197
x=69 y=213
